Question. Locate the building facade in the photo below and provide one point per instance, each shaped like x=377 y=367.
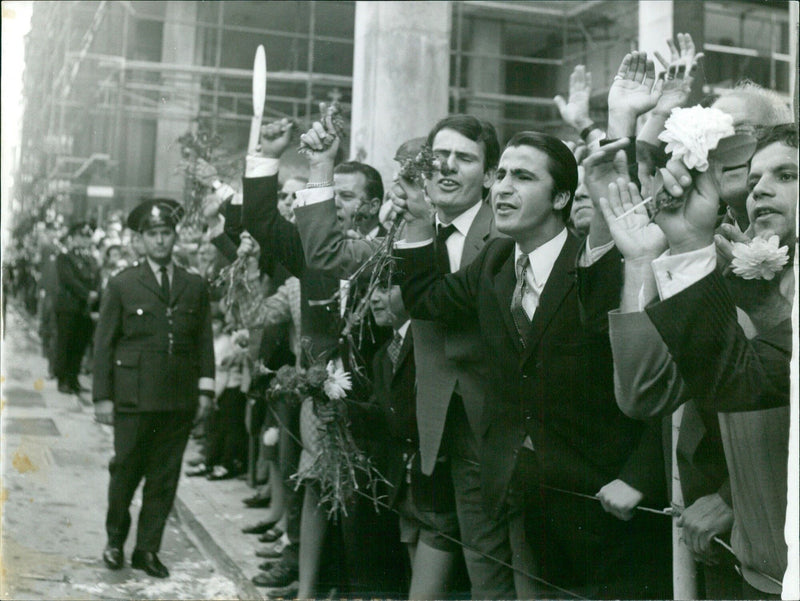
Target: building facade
x=110 y=87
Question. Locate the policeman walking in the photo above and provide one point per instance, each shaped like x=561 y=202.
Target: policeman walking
x=154 y=358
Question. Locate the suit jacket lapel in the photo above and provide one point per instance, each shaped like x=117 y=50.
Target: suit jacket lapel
x=148 y=279
x=559 y=283
x=504 y=283
x=477 y=235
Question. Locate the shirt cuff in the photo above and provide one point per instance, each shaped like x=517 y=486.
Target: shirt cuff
x=675 y=273
x=256 y=166
x=237 y=199
x=592 y=255
x=206 y=385
x=310 y=196
x=404 y=244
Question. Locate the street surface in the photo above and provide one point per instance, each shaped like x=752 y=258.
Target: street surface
x=53 y=496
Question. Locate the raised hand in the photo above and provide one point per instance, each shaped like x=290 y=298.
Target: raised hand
x=678 y=75
x=575 y=110
x=632 y=93
x=604 y=166
x=409 y=198
x=634 y=234
x=690 y=225
x=321 y=144
x=275 y=138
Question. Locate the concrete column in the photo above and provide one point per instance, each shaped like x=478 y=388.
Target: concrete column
x=401 y=76
x=486 y=74
x=180 y=103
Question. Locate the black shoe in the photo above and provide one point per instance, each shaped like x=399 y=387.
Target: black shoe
x=278 y=575
x=259 y=528
x=113 y=557
x=289 y=592
x=149 y=562
x=258 y=501
x=271 y=535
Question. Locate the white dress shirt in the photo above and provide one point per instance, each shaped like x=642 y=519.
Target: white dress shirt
x=540 y=265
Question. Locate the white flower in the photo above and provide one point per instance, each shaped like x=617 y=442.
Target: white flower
x=338 y=383
x=760 y=259
x=270 y=437
x=690 y=133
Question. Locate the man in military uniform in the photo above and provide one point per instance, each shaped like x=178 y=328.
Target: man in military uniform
x=77 y=280
x=154 y=357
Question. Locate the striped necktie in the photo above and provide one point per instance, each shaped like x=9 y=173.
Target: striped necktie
x=521 y=320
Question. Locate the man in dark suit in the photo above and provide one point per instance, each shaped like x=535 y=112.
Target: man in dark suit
x=425 y=504
x=78 y=281
x=452 y=372
x=357 y=185
x=724 y=342
x=154 y=358
x=550 y=421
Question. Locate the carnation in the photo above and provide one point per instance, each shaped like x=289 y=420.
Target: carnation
x=691 y=133
x=759 y=259
x=316 y=376
x=338 y=382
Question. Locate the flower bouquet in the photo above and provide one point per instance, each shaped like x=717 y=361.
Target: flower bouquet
x=339 y=467
x=417 y=164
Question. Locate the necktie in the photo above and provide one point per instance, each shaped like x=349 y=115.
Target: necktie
x=521 y=319
x=442 y=257
x=164 y=283
x=393 y=350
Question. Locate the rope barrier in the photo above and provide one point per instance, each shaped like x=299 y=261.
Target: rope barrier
x=671 y=512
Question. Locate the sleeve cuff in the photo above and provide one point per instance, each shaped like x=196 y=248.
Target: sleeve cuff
x=592 y=255
x=675 y=273
x=256 y=166
x=206 y=385
x=310 y=196
x=404 y=244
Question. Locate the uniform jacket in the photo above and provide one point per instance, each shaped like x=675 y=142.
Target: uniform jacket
x=77 y=276
x=150 y=351
x=447 y=358
x=558 y=389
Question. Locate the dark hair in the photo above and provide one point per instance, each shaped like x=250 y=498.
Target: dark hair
x=786 y=133
x=561 y=163
x=374 y=184
x=476 y=130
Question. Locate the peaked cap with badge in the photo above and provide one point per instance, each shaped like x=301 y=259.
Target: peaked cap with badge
x=154 y=213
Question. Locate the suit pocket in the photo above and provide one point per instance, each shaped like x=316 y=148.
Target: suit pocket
x=126 y=379
x=139 y=321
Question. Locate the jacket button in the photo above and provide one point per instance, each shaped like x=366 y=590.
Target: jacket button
x=119 y=362
x=139 y=312
x=524 y=376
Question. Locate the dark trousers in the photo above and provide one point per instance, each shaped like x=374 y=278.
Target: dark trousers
x=580 y=547
x=288 y=415
x=486 y=538
x=227 y=435
x=150 y=446
x=73 y=332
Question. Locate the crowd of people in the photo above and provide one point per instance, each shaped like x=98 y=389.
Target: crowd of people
x=519 y=328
